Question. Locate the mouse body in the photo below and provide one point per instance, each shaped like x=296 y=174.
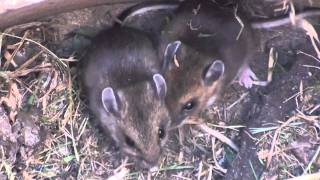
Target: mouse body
x=126 y=93
x=204 y=47
x=266 y=23
x=205 y=42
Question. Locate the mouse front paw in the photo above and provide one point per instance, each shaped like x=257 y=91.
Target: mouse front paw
x=246 y=77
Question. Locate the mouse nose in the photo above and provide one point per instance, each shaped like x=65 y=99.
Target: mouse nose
x=151 y=157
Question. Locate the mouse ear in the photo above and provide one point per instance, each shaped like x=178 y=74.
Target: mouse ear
x=169 y=54
x=109 y=101
x=161 y=85
x=213 y=72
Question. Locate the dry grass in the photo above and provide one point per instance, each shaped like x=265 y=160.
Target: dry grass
x=292 y=144
x=72 y=147
x=45 y=86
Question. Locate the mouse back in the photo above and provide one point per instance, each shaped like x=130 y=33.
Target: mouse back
x=120 y=53
x=126 y=93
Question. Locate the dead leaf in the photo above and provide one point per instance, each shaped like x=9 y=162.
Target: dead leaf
x=13 y=100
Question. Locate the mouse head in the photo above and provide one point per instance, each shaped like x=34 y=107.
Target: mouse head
x=137 y=118
x=195 y=80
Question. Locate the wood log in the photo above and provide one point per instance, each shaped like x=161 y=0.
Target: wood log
x=47 y=8
x=256 y=9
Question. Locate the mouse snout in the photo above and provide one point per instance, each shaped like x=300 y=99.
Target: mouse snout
x=151 y=157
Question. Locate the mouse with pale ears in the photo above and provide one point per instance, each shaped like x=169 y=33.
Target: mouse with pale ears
x=204 y=48
x=195 y=80
x=135 y=132
x=127 y=94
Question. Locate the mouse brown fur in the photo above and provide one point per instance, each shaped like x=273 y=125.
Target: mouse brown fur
x=126 y=93
x=206 y=31
x=202 y=38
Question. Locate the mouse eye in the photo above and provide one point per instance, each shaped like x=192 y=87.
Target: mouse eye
x=189 y=105
x=161 y=133
x=129 y=141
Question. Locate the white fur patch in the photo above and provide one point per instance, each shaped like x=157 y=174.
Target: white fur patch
x=211 y=100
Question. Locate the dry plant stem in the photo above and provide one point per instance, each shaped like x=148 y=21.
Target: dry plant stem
x=309 y=66
x=6 y=65
x=238 y=101
x=200 y=170
x=1 y=39
x=219 y=136
x=181 y=136
x=312 y=33
x=45 y=67
x=273 y=57
x=240 y=22
x=5 y=75
x=309 y=55
x=210 y=172
x=48 y=8
x=149 y=176
x=295 y=95
x=28 y=62
x=214 y=157
x=307 y=118
x=275 y=138
x=40 y=45
x=277 y=152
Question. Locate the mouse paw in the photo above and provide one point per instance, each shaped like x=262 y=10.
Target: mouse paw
x=247 y=77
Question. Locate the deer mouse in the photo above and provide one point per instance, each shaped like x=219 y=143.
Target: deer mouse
x=126 y=93
x=204 y=41
x=149 y=6
x=204 y=49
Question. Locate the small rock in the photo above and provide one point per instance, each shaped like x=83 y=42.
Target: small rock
x=29 y=132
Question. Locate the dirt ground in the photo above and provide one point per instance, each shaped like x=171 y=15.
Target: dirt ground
x=46 y=131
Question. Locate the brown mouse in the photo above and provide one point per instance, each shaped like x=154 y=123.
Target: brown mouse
x=202 y=54
x=202 y=39
x=211 y=48
x=172 y=5
x=126 y=93
x=208 y=41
